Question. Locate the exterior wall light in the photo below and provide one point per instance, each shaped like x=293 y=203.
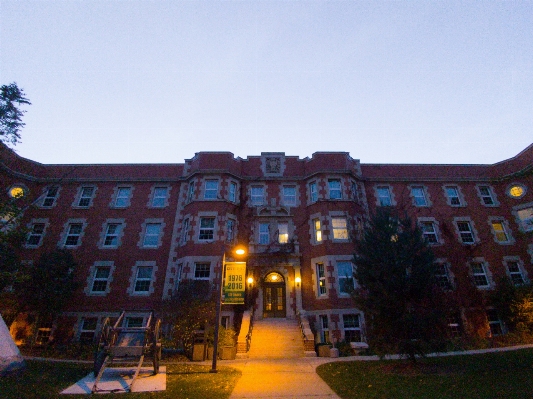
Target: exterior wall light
x=250 y=281
x=298 y=280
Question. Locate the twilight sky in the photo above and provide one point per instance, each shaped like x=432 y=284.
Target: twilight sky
x=157 y=81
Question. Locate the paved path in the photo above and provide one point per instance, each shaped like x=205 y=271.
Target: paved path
x=281 y=379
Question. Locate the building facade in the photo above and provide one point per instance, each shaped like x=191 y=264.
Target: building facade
x=139 y=230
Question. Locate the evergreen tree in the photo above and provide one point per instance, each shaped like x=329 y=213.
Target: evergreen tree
x=405 y=310
x=11 y=98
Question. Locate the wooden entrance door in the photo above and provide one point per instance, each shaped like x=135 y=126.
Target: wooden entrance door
x=274 y=300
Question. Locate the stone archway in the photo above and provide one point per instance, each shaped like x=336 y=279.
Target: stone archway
x=274 y=300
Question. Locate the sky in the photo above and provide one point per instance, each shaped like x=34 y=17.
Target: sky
x=135 y=81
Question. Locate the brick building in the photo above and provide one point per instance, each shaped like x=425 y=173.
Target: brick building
x=139 y=230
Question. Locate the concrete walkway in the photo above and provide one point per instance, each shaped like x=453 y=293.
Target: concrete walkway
x=273 y=378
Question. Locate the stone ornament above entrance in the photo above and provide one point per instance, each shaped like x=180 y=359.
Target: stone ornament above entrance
x=273 y=163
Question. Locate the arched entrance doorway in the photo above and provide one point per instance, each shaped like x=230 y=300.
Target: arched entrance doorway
x=274 y=295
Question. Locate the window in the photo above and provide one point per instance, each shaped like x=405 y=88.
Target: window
x=36 y=234
x=346 y=279
x=283 y=233
x=419 y=196
x=454 y=324
x=313 y=192
x=526 y=218
x=151 y=235
x=44 y=332
x=494 y=321
x=289 y=196
x=317 y=230
x=190 y=192
x=112 y=234
x=230 y=230
x=334 y=189
x=88 y=329
x=159 y=197
x=207 y=229
x=122 y=199
x=352 y=328
x=324 y=328
x=429 y=232
x=453 y=196
x=233 y=192
x=321 y=279
x=202 y=271
x=184 y=231
x=86 y=194
x=101 y=279
x=486 y=195
x=515 y=272
x=354 y=191
x=340 y=230
x=384 y=197
x=143 y=279
x=516 y=191
x=257 y=195
x=479 y=274
x=73 y=234
x=264 y=233
x=211 y=189
x=465 y=232
x=499 y=231
x=442 y=276
x=50 y=197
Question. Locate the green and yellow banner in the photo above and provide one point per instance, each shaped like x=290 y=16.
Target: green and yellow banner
x=234 y=284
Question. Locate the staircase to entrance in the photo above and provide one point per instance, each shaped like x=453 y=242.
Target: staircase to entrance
x=276 y=338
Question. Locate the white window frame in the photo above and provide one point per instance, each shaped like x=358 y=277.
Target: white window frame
x=495 y=323
x=122 y=197
x=99 y=279
x=321 y=280
x=150 y=235
x=211 y=189
x=159 y=198
x=257 y=195
x=313 y=191
x=184 y=231
x=479 y=274
x=510 y=262
x=339 y=232
x=289 y=195
x=419 y=196
x=32 y=233
x=317 y=230
x=487 y=196
x=232 y=196
x=69 y=234
x=86 y=198
x=86 y=330
x=462 y=233
x=335 y=189
x=427 y=234
x=384 y=196
x=453 y=196
x=263 y=237
x=230 y=229
x=50 y=197
x=524 y=216
x=283 y=232
x=190 y=191
x=443 y=275
x=342 y=277
x=143 y=280
x=135 y=278
x=500 y=231
x=356 y=327
x=200 y=274
x=113 y=232
x=323 y=322
x=206 y=232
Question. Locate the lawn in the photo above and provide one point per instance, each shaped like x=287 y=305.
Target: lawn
x=484 y=376
x=44 y=380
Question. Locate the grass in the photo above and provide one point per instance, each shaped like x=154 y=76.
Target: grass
x=493 y=375
x=43 y=379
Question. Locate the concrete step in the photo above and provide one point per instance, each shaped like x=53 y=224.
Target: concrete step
x=276 y=338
